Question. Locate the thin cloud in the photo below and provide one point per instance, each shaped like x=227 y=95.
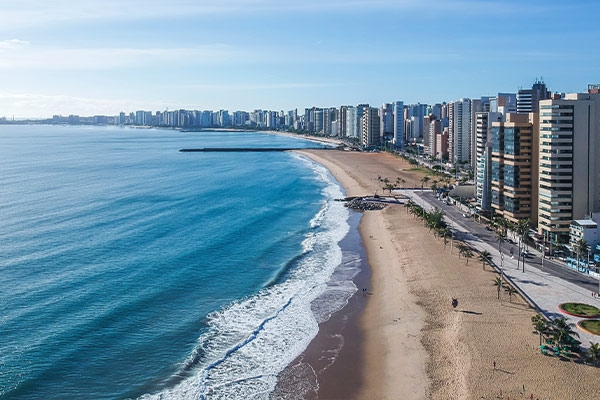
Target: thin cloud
x=258 y=86
x=109 y=58
x=13 y=44
x=40 y=12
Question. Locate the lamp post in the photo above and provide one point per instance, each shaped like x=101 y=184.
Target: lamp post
x=543 y=250
x=451 y=234
x=501 y=273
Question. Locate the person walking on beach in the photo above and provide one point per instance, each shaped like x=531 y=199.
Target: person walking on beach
x=494 y=364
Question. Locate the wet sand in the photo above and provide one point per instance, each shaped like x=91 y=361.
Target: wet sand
x=413 y=344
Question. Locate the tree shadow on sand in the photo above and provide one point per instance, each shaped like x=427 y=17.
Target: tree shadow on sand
x=504 y=371
x=470 y=312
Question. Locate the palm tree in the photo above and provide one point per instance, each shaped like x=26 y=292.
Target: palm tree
x=500 y=237
x=581 y=246
x=498 y=284
x=501 y=225
x=434 y=186
x=408 y=205
x=461 y=249
x=389 y=187
x=435 y=219
x=467 y=253
x=540 y=326
x=559 y=247
x=384 y=184
x=424 y=180
x=485 y=257
x=522 y=230
x=445 y=233
x=510 y=290
x=561 y=330
x=400 y=180
x=593 y=354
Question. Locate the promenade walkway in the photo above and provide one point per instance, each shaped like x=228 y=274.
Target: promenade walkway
x=540 y=288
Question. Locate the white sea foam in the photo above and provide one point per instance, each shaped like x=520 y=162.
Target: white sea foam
x=252 y=340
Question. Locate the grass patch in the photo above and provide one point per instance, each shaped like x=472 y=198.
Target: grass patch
x=591 y=325
x=580 y=310
x=419 y=169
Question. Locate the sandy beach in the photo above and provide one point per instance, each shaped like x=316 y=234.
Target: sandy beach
x=414 y=344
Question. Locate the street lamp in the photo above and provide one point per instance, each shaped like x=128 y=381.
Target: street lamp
x=501 y=273
x=451 y=234
x=544 y=250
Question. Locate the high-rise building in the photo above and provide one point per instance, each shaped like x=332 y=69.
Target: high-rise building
x=414 y=117
x=483 y=167
x=505 y=103
x=528 y=99
x=515 y=167
x=434 y=129
x=459 y=124
x=370 y=129
x=569 y=166
x=352 y=122
x=399 y=138
x=441 y=145
x=328 y=118
x=343 y=123
x=425 y=141
x=318 y=121
x=386 y=123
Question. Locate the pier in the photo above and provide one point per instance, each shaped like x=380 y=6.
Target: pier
x=250 y=149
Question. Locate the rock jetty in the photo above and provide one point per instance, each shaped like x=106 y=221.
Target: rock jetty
x=364 y=203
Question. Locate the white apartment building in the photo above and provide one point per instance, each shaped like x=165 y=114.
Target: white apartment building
x=569 y=162
x=459 y=115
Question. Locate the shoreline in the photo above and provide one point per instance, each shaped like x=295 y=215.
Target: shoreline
x=390 y=349
x=331 y=357
x=414 y=344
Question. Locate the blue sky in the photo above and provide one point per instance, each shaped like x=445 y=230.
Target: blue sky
x=101 y=57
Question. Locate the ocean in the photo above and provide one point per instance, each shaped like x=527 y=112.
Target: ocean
x=131 y=270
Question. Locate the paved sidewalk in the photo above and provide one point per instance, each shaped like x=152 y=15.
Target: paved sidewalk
x=543 y=290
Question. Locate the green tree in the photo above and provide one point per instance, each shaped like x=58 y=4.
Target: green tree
x=424 y=180
x=501 y=238
x=389 y=187
x=562 y=330
x=581 y=246
x=498 y=284
x=435 y=219
x=593 y=354
x=400 y=181
x=445 y=233
x=434 y=186
x=510 y=291
x=462 y=248
x=485 y=257
x=540 y=326
x=468 y=253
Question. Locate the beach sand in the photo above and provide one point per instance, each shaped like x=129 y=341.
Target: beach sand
x=414 y=344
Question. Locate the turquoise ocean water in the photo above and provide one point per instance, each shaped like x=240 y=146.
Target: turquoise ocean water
x=131 y=270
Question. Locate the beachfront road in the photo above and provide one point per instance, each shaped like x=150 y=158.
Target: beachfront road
x=476 y=229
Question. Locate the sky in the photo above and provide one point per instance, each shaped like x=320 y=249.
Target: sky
x=92 y=57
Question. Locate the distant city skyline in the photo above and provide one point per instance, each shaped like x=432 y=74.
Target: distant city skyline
x=104 y=57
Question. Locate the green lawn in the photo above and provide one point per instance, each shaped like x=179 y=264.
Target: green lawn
x=580 y=310
x=591 y=325
x=420 y=169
